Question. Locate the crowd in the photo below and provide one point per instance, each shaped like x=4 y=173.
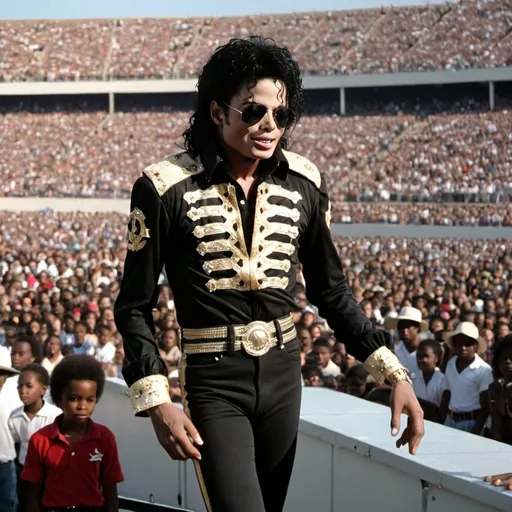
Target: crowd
x=60 y=274
x=388 y=39
x=427 y=214
x=441 y=157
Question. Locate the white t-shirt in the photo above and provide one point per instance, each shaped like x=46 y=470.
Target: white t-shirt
x=331 y=370
x=8 y=402
x=22 y=427
x=465 y=387
x=433 y=391
x=105 y=353
x=408 y=359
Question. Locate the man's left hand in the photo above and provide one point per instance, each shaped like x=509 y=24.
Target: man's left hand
x=403 y=400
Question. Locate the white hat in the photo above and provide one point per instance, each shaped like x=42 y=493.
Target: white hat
x=471 y=331
x=406 y=313
x=8 y=369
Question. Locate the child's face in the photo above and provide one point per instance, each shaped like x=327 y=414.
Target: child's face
x=78 y=401
x=505 y=362
x=465 y=348
x=21 y=355
x=30 y=389
x=356 y=386
x=323 y=356
x=427 y=360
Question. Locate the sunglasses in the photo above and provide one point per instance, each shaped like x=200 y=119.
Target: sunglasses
x=252 y=113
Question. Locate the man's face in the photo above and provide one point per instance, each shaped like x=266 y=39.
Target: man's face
x=259 y=138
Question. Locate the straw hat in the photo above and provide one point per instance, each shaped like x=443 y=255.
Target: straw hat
x=471 y=331
x=406 y=313
x=8 y=369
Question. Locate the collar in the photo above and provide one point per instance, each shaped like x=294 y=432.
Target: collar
x=212 y=161
x=93 y=432
x=44 y=412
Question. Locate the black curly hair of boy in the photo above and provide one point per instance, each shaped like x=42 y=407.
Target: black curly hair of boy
x=76 y=367
x=239 y=63
x=43 y=376
x=504 y=343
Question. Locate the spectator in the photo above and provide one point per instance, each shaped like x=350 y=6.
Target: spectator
x=465 y=403
x=76 y=385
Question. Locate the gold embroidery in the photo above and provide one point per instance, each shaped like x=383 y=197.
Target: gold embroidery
x=249 y=271
x=304 y=167
x=382 y=364
x=149 y=392
x=169 y=172
x=137 y=230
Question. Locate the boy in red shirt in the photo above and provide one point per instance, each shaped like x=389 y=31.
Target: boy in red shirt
x=73 y=462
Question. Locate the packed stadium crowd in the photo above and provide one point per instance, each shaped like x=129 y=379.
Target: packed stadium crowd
x=462 y=157
x=461 y=35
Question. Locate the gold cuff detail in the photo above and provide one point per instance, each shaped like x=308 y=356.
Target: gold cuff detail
x=149 y=392
x=383 y=364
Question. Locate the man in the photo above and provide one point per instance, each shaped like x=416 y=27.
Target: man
x=229 y=219
x=409 y=324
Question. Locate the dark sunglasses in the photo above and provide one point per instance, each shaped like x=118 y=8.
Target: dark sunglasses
x=252 y=113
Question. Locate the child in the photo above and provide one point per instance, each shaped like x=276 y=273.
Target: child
x=430 y=383
x=34 y=414
x=500 y=391
x=73 y=462
x=323 y=353
x=26 y=350
x=465 y=403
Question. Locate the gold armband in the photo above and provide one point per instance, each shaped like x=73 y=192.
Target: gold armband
x=149 y=392
x=383 y=364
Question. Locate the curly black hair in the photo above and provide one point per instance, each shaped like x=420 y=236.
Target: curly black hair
x=503 y=344
x=42 y=374
x=76 y=367
x=239 y=63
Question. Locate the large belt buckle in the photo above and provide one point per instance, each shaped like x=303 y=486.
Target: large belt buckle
x=257 y=338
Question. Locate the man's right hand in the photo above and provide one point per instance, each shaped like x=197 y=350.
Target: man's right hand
x=174 y=432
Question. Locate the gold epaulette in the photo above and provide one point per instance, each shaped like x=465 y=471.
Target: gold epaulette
x=304 y=167
x=171 y=171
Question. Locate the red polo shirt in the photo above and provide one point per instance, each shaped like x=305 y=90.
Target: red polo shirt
x=72 y=476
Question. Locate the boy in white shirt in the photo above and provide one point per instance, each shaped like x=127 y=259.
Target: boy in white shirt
x=429 y=383
x=33 y=415
x=465 y=404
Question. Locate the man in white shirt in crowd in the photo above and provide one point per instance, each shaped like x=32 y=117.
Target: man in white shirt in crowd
x=409 y=323
x=465 y=405
x=7 y=450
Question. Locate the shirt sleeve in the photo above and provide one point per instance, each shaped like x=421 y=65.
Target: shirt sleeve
x=33 y=470
x=486 y=379
x=327 y=286
x=14 y=429
x=111 y=472
x=148 y=230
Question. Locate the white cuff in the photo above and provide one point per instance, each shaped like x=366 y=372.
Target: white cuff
x=149 y=392
x=382 y=364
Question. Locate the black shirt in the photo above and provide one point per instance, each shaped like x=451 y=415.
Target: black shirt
x=231 y=259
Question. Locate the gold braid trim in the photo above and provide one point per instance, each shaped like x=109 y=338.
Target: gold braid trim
x=383 y=364
x=149 y=392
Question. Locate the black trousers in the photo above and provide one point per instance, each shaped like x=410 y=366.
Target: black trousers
x=247 y=412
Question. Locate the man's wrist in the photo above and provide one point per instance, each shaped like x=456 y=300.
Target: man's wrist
x=383 y=365
x=149 y=392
